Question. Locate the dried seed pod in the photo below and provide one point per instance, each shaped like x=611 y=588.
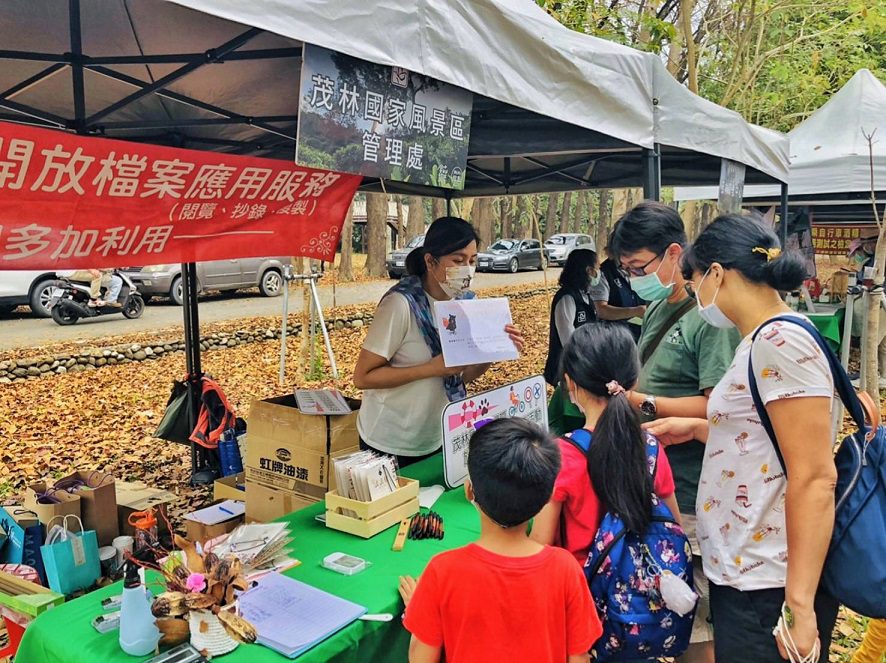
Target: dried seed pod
x=195 y=601
x=237 y=627
x=169 y=604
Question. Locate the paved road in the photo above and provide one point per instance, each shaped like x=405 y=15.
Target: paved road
x=20 y=329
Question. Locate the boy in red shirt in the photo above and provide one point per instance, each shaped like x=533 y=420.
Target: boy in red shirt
x=504 y=597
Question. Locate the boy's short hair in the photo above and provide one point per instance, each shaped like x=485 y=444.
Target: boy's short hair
x=513 y=464
x=649 y=225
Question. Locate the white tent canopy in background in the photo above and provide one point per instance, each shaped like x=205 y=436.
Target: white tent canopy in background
x=554 y=109
x=830 y=161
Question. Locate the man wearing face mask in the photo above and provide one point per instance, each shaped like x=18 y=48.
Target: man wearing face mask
x=400 y=368
x=682 y=357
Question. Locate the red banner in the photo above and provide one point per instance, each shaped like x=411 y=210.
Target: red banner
x=74 y=202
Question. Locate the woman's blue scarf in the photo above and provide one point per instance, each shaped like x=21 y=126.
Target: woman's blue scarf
x=412 y=289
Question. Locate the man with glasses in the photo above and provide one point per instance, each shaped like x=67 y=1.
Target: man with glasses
x=682 y=359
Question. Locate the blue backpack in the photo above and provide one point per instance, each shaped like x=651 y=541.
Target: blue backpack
x=854 y=572
x=622 y=570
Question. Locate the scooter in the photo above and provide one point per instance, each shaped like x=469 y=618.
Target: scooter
x=70 y=301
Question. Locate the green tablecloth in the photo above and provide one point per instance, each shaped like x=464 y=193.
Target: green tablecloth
x=65 y=634
x=830 y=324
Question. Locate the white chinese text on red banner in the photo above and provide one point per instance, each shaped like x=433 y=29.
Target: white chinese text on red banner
x=72 y=202
x=365 y=118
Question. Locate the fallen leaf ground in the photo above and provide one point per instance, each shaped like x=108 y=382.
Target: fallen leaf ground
x=105 y=418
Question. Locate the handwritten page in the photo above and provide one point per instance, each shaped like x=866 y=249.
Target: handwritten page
x=472 y=331
x=291 y=617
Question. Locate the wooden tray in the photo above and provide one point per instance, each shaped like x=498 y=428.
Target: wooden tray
x=372 y=517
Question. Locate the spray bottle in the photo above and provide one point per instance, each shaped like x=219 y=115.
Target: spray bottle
x=138 y=632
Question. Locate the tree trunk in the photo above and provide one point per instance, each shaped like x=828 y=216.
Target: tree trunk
x=346 y=269
x=689 y=214
x=438 y=207
x=581 y=221
x=565 y=212
x=400 y=241
x=619 y=203
x=376 y=227
x=604 y=221
x=522 y=224
x=551 y=214
x=466 y=209
x=507 y=216
x=686 y=7
x=484 y=216
x=415 y=220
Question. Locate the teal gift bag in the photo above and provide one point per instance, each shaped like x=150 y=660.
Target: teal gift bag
x=70 y=558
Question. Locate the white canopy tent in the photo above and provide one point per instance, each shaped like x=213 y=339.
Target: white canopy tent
x=554 y=109
x=830 y=161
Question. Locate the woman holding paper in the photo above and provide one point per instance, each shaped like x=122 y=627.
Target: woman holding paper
x=400 y=369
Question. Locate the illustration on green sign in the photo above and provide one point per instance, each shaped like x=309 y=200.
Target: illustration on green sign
x=378 y=121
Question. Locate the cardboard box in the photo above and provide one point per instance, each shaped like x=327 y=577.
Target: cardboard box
x=292 y=451
x=133 y=497
x=26 y=597
x=69 y=505
x=226 y=487
x=98 y=503
x=366 y=519
x=202 y=532
x=266 y=504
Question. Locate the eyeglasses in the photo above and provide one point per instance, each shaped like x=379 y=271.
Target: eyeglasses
x=641 y=271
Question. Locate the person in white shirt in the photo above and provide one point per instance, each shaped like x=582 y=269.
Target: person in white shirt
x=400 y=368
x=763 y=536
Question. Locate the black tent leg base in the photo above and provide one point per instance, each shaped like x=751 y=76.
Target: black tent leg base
x=205 y=465
x=204 y=477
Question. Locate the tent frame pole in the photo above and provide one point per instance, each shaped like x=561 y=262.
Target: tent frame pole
x=783 y=214
x=201 y=469
x=652 y=173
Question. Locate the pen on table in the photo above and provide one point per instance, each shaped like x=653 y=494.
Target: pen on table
x=228 y=511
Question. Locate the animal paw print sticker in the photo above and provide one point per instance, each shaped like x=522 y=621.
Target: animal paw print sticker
x=484 y=407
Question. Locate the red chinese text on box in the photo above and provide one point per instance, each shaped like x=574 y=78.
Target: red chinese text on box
x=71 y=202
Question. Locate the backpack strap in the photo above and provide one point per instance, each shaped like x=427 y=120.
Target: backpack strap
x=581 y=440
x=841 y=383
x=675 y=316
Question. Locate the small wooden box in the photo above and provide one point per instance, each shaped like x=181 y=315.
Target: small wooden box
x=372 y=517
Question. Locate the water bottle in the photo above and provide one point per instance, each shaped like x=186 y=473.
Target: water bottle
x=229 y=454
x=139 y=634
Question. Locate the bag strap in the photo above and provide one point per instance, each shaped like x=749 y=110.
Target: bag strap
x=860 y=408
x=675 y=316
x=581 y=440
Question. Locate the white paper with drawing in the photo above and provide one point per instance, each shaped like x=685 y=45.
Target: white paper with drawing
x=472 y=331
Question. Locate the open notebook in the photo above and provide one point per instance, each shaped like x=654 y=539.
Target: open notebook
x=291 y=617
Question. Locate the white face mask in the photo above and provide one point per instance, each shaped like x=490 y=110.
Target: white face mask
x=595 y=280
x=712 y=313
x=458 y=280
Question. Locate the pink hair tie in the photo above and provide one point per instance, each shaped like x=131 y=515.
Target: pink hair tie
x=614 y=388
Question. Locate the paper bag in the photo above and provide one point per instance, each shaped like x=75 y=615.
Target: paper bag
x=71 y=558
x=24 y=536
x=39 y=500
x=98 y=502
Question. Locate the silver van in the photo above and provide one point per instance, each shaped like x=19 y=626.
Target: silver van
x=234 y=274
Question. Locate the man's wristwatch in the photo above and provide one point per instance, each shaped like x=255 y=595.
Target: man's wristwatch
x=647 y=407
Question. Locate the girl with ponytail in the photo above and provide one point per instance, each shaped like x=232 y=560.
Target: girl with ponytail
x=599 y=365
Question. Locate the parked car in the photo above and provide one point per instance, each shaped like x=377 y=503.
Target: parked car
x=33 y=288
x=558 y=247
x=511 y=255
x=396 y=260
x=166 y=280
